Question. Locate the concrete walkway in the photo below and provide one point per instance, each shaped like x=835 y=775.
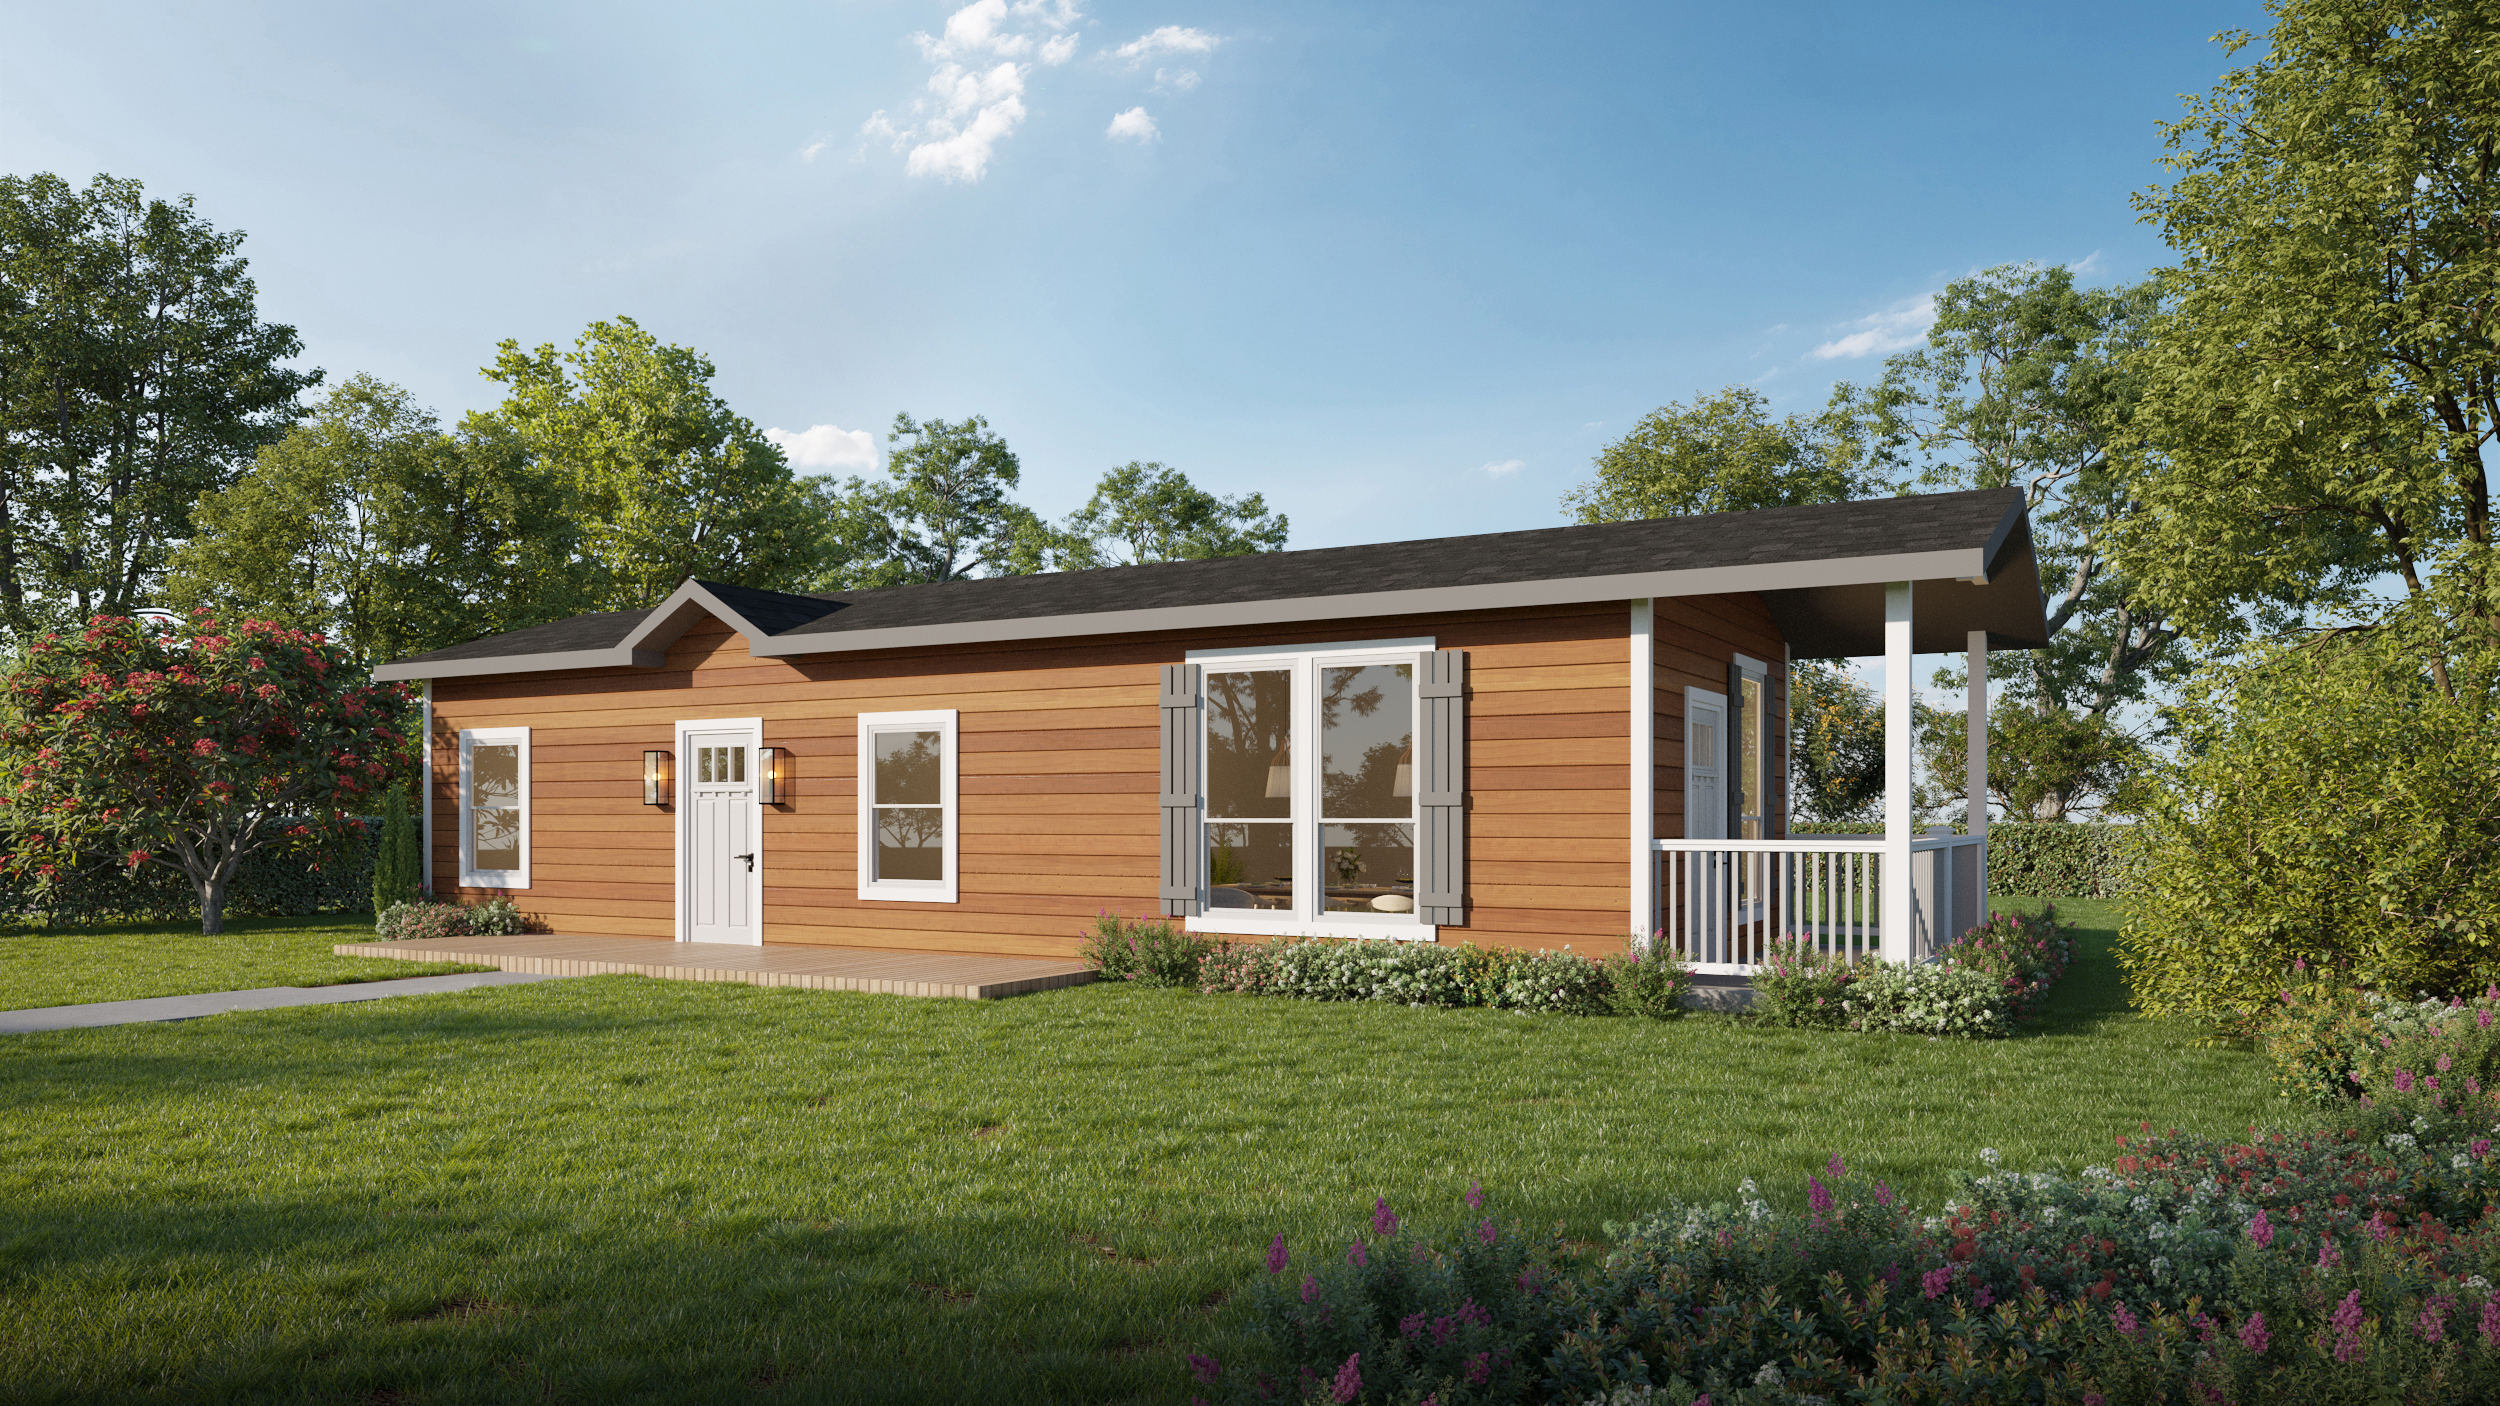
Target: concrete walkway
x=262 y=999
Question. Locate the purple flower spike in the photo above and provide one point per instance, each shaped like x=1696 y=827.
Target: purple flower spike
x=1475 y=1196
x=2491 y=1320
x=1276 y=1256
x=1486 y=1232
x=1934 y=1281
x=2404 y=1081
x=1356 y=1255
x=1310 y=1287
x=2433 y=1324
x=1818 y=1196
x=2253 y=1334
x=1384 y=1220
x=2124 y=1320
x=1836 y=1169
x=2328 y=1255
x=1349 y=1383
x=1883 y=1194
x=2260 y=1230
x=1205 y=1369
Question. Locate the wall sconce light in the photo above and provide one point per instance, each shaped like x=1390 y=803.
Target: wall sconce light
x=655 y=787
x=768 y=765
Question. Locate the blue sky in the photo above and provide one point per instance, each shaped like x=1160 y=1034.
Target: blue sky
x=1404 y=268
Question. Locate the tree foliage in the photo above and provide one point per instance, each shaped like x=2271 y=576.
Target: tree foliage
x=1145 y=513
x=941 y=513
x=1723 y=453
x=2330 y=804
x=662 y=478
x=187 y=745
x=2323 y=384
x=370 y=524
x=1836 y=745
x=135 y=375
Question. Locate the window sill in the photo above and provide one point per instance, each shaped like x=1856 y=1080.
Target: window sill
x=1235 y=924
x=881 y=893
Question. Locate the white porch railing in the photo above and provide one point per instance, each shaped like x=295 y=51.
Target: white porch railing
x=1722 y=903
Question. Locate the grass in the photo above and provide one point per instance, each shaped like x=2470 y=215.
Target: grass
x=134 y=962
x=614 y=1189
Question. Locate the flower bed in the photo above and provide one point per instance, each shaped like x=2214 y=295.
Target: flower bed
x=1648 y=981
x=2354 y=1265
x=1976 y=988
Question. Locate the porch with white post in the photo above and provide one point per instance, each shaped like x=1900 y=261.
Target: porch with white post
x=1724 y=901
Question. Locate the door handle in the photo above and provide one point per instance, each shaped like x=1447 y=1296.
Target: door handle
x=750 y=859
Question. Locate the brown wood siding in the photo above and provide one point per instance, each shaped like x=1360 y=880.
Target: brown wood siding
x=1697 y=638
x=1057 y=767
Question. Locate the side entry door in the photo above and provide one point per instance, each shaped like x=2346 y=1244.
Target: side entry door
x=724 y=886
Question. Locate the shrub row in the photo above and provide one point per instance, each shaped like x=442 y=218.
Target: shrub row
x=2047 y=860
x=2348 y=1266
x=1978 y=986
x=419 y=920
x=2331 y=1039
x=1155 y=952
x=329 y=869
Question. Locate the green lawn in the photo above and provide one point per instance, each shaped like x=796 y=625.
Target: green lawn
x=135 y=962
x=614 y=1189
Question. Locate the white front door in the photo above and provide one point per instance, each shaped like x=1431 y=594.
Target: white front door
x=724 y=888
x=1705 y=764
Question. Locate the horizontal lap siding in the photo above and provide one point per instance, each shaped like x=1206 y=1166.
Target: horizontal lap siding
x=1697 y=638
x=1058 y=750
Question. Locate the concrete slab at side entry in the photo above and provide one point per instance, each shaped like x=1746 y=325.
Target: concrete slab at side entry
x=970 y=977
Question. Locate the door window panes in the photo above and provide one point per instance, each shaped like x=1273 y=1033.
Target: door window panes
x=1367 y=790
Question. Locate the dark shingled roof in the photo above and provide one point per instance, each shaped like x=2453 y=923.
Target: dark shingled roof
x=1946 y=538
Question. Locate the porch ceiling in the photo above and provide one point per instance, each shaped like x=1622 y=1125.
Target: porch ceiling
x=1845 y=621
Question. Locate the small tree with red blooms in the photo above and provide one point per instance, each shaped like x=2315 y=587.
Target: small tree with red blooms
x=187 y=745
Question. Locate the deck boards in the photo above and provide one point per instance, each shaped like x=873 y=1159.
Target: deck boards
x=978 y=978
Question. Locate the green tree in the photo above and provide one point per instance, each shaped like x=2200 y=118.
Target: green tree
x=370 y=524
x=1724 y=453
x=1144 y=513
x=2043 y=764
x=941 y=513
x=135 y=375
x=187 y=745
x=398 y=854
x=663 y=479
x=2322 y=385
x=1836 y=744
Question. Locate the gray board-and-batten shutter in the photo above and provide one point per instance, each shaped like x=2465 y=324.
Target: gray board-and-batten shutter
x=1181 y=739
x=1441 y=796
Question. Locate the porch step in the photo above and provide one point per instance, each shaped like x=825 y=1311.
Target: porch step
x=887 y=972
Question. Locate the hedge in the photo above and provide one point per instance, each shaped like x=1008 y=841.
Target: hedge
x=338 y=878
x=2052 y=860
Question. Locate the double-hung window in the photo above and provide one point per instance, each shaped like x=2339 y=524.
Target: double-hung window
x=495 y=808
x=907 y=839
x=1310 y=790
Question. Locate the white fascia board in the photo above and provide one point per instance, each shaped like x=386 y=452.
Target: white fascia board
x=613 y=657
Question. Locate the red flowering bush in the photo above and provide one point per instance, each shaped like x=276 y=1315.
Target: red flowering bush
x=186 y=745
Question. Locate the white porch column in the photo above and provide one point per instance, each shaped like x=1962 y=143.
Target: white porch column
x=1975 y=778
x=425 y=790
x=1644 y=798
x=1900 y=760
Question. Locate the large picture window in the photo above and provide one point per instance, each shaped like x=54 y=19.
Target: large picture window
x=907 y=807
x=1310 y=790
x=495 y=808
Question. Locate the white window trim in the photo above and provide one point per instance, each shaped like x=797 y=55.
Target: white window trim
x=471 y=876
x=681 y=795
x=1305 y=660
x=874 y=889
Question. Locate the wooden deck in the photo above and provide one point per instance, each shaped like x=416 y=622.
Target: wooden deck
x=974 y=978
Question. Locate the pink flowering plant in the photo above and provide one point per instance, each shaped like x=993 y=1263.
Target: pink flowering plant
x=1800 y=982
x=1391 y=1315
x=2331 y=1039
x=2025 y=953
x=189 y=745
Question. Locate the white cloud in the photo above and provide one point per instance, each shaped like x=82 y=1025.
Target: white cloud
x=810 y=151
x=972 y=104
x=2089 y=263
x=1504 y=468
x=1170 y=39
x=1132 y=125
x=1178 y=80
x=1897 y=328
x=827 y=447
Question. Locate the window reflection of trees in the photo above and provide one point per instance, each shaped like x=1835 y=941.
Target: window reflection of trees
x=907 y=770
x=1249 y=723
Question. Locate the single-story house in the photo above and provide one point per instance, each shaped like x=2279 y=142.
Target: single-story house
x=1527 y=739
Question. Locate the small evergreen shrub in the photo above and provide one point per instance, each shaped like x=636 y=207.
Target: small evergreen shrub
x=1927 y=998
x=497 y=917
x=1150 y=951
x=1412 y=974
x=398 y=859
